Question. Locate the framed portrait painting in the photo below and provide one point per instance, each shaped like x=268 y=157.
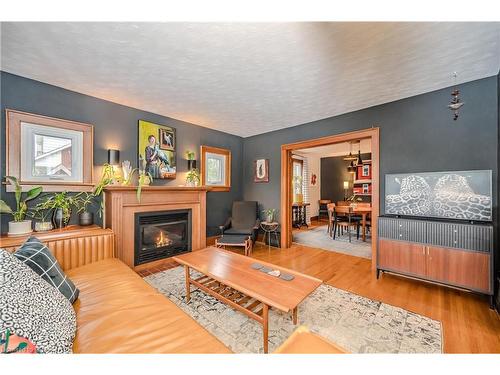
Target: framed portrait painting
x=156 y=148
x=261 y=170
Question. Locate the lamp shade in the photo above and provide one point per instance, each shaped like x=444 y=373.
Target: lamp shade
x=113 y=157
x=191 y=164
x=346 y=185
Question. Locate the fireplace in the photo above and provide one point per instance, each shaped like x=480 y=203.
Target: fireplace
x=161 y=234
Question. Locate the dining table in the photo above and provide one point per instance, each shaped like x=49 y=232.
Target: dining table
x=354 y=209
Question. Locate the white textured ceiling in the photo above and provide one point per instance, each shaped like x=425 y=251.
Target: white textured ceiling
x=251 y=78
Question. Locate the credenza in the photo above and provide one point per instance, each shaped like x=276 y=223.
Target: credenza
x=449 y=253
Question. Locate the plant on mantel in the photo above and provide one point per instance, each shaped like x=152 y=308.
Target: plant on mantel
x=19 y=226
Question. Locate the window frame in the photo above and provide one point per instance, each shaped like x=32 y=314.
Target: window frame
x=204 y=150
x=14 y=120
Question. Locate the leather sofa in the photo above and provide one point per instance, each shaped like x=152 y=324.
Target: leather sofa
x=118 y=312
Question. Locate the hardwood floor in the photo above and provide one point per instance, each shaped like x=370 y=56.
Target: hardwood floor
x=469 y=326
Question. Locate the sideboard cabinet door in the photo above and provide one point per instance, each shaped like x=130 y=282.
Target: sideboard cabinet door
x=468 y=269
x=401 y=256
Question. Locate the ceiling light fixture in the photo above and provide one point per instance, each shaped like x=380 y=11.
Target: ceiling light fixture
x=350 y=157
x=455 y=101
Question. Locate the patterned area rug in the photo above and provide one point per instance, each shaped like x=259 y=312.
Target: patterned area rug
x=358 y=324
x=317 y=237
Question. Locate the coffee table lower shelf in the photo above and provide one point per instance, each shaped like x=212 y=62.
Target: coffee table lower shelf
x=249 y=306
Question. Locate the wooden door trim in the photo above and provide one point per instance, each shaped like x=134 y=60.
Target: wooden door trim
x=286 y=171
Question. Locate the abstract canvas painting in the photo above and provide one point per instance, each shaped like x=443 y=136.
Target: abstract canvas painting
x=463 y=195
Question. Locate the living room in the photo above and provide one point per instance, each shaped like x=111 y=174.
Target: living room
x=250 y=187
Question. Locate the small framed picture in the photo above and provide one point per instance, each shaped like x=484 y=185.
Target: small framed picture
x=261 y=170
x=167 y=139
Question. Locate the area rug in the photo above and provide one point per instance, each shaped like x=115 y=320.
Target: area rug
x=317 y=237
x=358 y=324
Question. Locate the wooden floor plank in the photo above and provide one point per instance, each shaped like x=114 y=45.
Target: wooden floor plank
x=469 y=325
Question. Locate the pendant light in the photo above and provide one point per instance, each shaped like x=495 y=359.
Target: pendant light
x=351 y=168
x=350 y=157
x=359 y=161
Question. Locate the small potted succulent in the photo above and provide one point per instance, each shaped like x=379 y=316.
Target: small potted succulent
x=61 y=204
x=19 y=226
x=269 y=213
x=82 y=201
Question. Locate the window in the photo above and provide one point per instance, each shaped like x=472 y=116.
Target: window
x=216 y=168
x=50 y=154
x=53 y=153
x=297 y=175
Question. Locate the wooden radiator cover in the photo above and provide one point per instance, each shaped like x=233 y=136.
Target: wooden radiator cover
x=73 y=246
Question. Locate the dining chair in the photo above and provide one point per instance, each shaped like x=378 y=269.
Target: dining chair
x=323 y=209
x=368 y=218
x=341 y=222
x=329 y=208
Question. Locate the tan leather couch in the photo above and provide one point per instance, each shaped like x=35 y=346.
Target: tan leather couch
x=118 y=312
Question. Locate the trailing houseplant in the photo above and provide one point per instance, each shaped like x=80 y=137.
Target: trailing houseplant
x=193 y=178
x=144 y=179
x=61 y=203
x=82 y=201
x=19 y=226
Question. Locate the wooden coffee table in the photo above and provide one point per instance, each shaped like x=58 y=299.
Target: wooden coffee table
x=230 y=278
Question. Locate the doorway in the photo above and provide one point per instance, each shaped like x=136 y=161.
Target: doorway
x=287 y=173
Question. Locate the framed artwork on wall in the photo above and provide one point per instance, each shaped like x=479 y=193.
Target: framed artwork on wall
x=156 y=150
x=261 y=170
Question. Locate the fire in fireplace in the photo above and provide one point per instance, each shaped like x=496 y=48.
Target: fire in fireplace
x=160 y=235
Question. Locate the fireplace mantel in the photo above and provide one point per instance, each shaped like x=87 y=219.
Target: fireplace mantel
x=156 y=188
x=121 y=204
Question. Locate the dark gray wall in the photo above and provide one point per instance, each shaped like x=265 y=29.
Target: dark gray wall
x=416 y=134
x=333 y=174
x=116 y=127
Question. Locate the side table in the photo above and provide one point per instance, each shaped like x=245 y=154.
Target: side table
x=269 y=228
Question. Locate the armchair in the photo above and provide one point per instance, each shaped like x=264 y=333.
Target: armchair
x=244 y=220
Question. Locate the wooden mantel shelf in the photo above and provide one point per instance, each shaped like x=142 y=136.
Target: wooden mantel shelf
x=157 y=188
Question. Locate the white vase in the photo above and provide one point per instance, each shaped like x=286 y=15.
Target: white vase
x=19 y=228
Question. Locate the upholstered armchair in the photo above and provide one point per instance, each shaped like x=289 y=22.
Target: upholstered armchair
x=244 y=220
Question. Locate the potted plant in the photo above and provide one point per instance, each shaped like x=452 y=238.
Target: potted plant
x=143 y=180
x=19 y=226
x=193 y=178
x=269 y=213
x=61 y=204
x=297 y=189
x=41 y=213
x=82 y=202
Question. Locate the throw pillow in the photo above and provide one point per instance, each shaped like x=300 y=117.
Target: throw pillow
x=39 y=258
x=31 y=308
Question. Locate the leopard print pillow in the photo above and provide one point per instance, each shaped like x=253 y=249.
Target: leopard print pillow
x=30 y=307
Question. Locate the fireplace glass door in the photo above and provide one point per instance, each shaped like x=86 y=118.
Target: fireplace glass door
x=160 y=235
